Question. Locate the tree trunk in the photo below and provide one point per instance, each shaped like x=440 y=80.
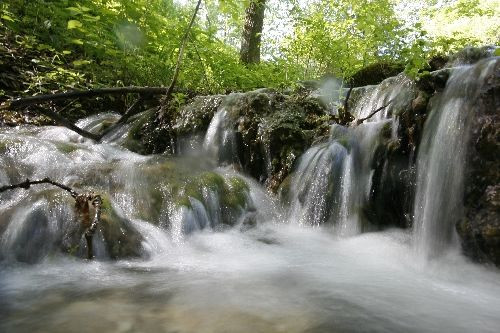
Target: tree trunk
x=252 y=31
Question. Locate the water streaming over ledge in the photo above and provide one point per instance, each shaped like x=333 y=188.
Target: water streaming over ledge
x=333 y=180
x=441 y=159
x=204 y=248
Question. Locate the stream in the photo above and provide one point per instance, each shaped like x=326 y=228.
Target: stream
x=194 y=245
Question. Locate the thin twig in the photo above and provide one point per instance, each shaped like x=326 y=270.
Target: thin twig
x=359 y=121
x=96 y=202
x=132 y=111
x=27 y=183
x=346 y=100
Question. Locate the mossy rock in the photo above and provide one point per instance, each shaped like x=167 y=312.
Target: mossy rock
x=135 y=137
x=66 y=147
x=470 y=55
x=376 y=73
x=6 y=143
x=232 y=195
x=196 y=115
x=121 y=238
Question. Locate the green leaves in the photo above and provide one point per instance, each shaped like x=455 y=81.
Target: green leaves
x=81 y=62
x=7 y=18
x=77 y=41
x=74 y=24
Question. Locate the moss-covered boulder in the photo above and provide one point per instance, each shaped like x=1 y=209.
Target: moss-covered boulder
x=121 y=238
x=219 y=201
x=271 y=130
x=376 y=73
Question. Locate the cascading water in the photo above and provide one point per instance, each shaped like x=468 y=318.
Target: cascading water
x=180 y=267
x=333 y=180
x=441 y=159
x=220 y=140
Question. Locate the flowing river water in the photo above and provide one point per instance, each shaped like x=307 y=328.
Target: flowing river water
x=301 y=267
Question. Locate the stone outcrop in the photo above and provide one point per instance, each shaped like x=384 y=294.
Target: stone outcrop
x=480 y=229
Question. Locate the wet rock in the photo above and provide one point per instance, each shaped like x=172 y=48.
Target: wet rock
x=438 y=62
x=157 y=132
x=434 y=81
x=215 y=201
x=196 y=115
x=419 y=104
x=480 y=229
x=376 y=73
x=470 y=55
x=121 y=238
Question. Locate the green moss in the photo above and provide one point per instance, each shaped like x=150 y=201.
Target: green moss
x=344 y=141
x=122 y=240
x=7 y=143
x=212 y=180
x=134 y=141
x=194 y=187
x=236 y=193
x=3 y=147
x=284 y=189
x=66 y=148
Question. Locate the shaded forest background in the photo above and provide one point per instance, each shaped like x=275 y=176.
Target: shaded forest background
x=48 y=46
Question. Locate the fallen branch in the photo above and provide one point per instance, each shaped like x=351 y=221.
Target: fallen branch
x=66 y=123
x=132 y=111
x=26 y=101
x=27 y=184
x=361 y=120
x=81 y=206
x=97 y=203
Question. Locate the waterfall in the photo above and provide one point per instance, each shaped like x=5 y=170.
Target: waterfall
x=441 y=159
x=332 y=181
x=220 y=139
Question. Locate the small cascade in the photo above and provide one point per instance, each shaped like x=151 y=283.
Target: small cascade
x=179 y=194
x=441 y=159
x=333 y=179
x=220 y=139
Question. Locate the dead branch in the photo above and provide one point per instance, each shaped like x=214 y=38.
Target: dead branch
x=132 y=111
x=81 y=206
x=66 y=123
x=27 y=184
x=26 y=101
x=361 y=120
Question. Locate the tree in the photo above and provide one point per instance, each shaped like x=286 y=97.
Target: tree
x=252 y=31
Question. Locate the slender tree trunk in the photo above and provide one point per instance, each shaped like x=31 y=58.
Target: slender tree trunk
x=170 y=89
x=252 y=31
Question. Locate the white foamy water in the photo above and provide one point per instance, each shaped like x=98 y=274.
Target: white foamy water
x=276 y=278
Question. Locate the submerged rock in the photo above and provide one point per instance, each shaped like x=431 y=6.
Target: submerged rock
x=45 y=224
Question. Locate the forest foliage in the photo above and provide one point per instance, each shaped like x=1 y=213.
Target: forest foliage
x=92 y=43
